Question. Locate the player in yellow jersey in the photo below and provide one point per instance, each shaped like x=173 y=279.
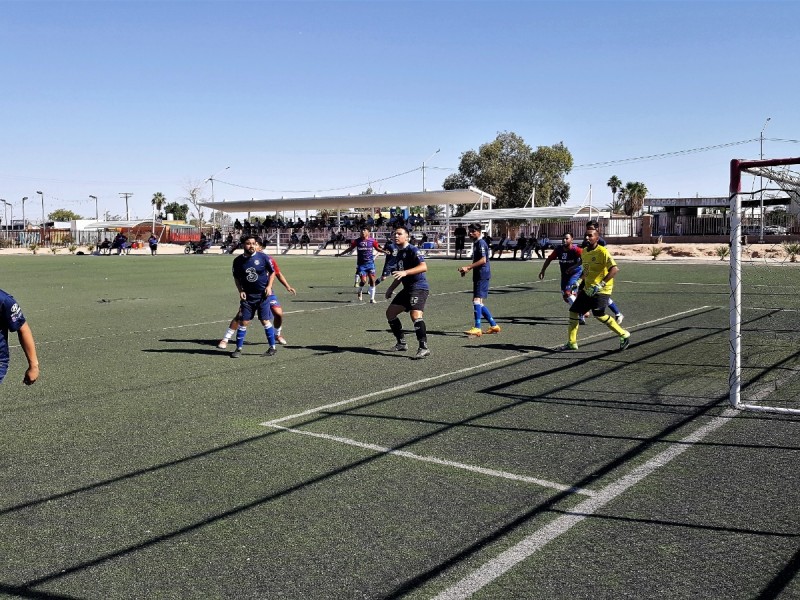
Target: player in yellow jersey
x=599 y=270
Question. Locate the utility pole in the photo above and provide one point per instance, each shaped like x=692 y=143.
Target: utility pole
x=126 y=195
x=44 y=227
x=96 y=214
x=23 y=212
x=761 y=185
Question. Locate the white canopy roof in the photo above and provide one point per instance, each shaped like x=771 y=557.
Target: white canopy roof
x=525 y=214
x=468 y=196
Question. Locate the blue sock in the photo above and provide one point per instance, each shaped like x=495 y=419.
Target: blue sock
x=270 y=331
x=488 y=315
x=476 y=308
x=240 y=333
x=613 y=306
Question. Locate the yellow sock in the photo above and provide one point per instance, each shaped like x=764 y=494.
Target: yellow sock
x=612 y=325
x=573 y=328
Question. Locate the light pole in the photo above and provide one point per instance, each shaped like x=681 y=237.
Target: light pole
x=23 y=212
x=761 y=185
x=211 y=179
x=5 y=214
x=96 y=213
x=44 y=229
x=423 y=167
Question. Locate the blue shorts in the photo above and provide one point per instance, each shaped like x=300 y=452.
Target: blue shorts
x=365 y=269
x=480 y=288
x=3 y=369
x=568 y=281
x=252 y=306
x=273 y=301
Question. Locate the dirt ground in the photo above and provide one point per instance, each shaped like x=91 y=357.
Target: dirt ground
x=694 y=251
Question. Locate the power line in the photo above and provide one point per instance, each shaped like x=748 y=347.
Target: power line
x=663 y=155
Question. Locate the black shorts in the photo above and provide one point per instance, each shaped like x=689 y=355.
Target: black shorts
x=411 y=299
x=460 y=243
x=597 y=304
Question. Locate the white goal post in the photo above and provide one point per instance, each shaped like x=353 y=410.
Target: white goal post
x=760 y=168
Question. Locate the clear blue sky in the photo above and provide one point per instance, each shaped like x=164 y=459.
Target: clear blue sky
x=322 y=97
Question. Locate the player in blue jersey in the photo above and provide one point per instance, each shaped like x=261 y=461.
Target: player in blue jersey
x=612 y=306
x=481 y=274
x=12 y=319
x=568 y=255
x=254 y=274
x=390 y=250
x=365 y=262
x=274 y=306
x=410 y=271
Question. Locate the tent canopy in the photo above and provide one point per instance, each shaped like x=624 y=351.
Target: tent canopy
x=468 y=196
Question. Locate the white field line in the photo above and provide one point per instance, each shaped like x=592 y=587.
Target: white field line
x=425 y=380
x=440 y=461
x=493 y=569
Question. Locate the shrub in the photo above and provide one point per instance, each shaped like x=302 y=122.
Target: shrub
x=72 y=248
x=6 y=243
x=792 y=249
x=54 y=249
x=723 y=252
x=34 y=248
x=655 y=251
x=90 y=248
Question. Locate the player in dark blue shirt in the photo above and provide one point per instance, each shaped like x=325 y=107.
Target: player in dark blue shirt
x=481 y=274
x=12 y=319
x=410 y=271
x=254 y=274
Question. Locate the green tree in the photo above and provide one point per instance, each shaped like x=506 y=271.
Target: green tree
x=158 y=201
x=633 y=196
x=178 y=211
x=62 y=214
x=615 y=183
x=510 y=170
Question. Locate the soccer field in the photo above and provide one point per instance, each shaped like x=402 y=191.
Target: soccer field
x=146 y=463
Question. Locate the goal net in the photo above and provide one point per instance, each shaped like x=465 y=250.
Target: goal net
x=764 y=278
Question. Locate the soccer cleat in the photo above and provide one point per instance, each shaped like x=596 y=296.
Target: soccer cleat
x=271 y=352
x=399 y=347
x=581 y=320
x=223 y=343
x=281 y=340
x=474 y=332
x=372 y=301
x=568 y=346
x=492 y=329
x=360 y=296
x=422 y=353
x=624 y=341
x=236 y=353
x=619 y=317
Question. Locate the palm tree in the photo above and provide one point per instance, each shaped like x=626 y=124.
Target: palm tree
x=158 y=201
x=614 y=183
x=635 y=193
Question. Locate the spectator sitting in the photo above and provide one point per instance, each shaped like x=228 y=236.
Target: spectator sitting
x=520 y=247
x=304 y=240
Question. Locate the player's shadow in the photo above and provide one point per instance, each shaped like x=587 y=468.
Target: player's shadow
x=331 y=349
x=512 y=347
x=324 y=301
x=209 y=351
x=532 y=320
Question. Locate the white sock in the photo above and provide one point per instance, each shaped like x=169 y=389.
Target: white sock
x=229 y=334
x=372 y=292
